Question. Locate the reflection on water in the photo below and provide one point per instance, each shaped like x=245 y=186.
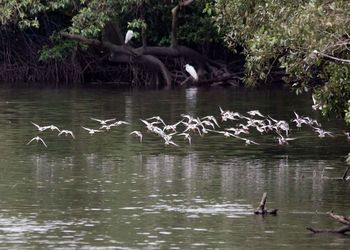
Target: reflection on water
x=111 y=192
x=191 y=101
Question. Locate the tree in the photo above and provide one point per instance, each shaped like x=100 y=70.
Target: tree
x=155 y=55
x=308 y=39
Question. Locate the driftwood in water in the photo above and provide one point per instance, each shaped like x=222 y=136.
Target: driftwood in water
x=342 y=230
x=261 y=208
x=345 y=177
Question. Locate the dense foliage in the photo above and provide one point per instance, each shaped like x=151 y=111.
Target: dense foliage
x=42 y=23
x=309 y=39
x=89 y=17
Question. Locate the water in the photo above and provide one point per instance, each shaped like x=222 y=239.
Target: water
x=108 y=191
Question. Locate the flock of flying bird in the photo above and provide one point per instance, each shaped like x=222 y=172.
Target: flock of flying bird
x=240 y=126
x=253 y=120
x=208 y=124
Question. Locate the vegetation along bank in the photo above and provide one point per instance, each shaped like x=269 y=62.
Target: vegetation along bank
x=304 y=43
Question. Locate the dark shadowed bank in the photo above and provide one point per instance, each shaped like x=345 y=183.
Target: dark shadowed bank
x=21 y=63
x=228 y=42
x=54 y=55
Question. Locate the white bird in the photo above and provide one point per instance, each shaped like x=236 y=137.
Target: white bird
x=53 y=127
x=157 y=118
x=255 y=112
x=322 y=133
x=66 y=132
x=118 y=123
x=211 y=118
x=128 y=36
x=248 y=141
x=40 y=128
x=168 y=141
x=186 y=136
x=225 y=133
x=347 y=134
x=37 y=139
x=137 y=133
x=91 y=131
x=103 y=122
x=107 y=127
x=283 y=140
x=190 y=69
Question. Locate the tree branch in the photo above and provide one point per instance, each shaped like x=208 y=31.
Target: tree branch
x=174 y=11
x=339 y=218
x=341 y=230
x=331 y=57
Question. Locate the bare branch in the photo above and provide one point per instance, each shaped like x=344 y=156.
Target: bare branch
x=331 y=57
x=341 y=219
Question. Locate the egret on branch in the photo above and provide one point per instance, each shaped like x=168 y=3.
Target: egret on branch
x=128 y=36
x=190 y=69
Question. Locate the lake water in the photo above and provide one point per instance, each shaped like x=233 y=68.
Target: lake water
x=109 y=191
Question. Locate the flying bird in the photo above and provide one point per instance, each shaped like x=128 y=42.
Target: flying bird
x=128 y=36
x=37 y=139
x=103 y=122
x=138 y=134
x=66 y=132
x=91 y=131
x=190 y=69
x=40 y=128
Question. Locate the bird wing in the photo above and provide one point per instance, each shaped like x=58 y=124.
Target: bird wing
x=110 y=120
x=36 y=125
x=42 y=142
x=55 y=127
x=34 y=138
x=87 y=129
x=71 y=133
x=98 y=120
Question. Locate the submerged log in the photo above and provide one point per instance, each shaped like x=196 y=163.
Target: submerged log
x=261 y=208
x=342 y=230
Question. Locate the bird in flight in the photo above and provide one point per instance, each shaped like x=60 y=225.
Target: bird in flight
x=190 y=69
x=91 y=131
x=103 y=122
x=40 y=128
x=137 y=133
x=118 y=123
x=37 y=139
x=66 y=132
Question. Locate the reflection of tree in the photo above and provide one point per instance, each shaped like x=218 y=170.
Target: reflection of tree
x=238 y=178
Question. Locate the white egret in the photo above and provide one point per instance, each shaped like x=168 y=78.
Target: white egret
x=128 y=36
x=190 y=69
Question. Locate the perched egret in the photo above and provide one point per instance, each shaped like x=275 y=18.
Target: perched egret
x=128 y=36
x=191 y=71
